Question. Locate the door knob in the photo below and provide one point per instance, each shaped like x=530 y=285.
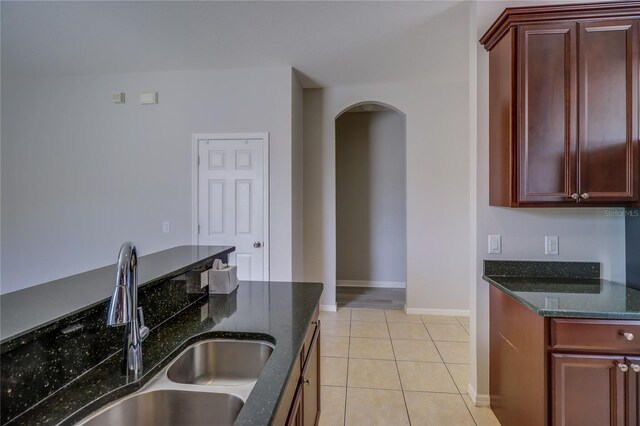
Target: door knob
x=257 y=244
x=585 y=195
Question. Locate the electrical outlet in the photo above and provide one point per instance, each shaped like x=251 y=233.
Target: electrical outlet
x=551 y=245
x=165 y=227
x=495 y=244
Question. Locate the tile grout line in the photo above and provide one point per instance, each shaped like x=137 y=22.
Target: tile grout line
x=395 y=360
x=346 y=384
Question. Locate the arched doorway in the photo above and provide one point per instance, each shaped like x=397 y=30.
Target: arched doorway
x=371 y=203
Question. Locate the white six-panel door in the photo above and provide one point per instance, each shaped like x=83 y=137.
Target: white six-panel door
x=231 y=195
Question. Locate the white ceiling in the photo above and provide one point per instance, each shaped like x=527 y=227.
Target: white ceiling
x=330 y=43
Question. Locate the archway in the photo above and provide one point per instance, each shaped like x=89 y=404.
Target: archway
x=371 y=206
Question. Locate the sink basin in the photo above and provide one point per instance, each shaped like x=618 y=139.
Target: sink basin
x=170 y=407
x=221 y=362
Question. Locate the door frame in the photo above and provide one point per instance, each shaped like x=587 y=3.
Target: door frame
x=264 y=137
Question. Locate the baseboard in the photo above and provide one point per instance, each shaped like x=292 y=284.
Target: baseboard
x=329 y=308
x=478 y=400
x=365 y=283
x=444 y=312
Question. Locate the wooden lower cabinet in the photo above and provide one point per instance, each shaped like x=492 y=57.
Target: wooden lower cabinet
x=561 y=371
x=300 y=405
x=633 y=391
x=588 y=390
x=311 y=383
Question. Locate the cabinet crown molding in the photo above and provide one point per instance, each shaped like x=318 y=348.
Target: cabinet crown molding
x=513 y=16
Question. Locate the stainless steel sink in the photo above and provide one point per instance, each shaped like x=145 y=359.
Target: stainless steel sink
x=207 y=383
x=169 y=407
x=221 y=362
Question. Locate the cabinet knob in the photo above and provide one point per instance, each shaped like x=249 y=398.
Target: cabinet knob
x=585 y=195
x=623 y=367
x=575 y=196
x=627 y=335
x=635 y=368
x=307 y=381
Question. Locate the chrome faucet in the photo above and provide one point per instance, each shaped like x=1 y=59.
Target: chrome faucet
x=124 y=310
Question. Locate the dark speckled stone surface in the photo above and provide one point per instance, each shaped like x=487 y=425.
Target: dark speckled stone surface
x=23 y=310
x=563 y=290
x=38 y=363
x=277 y=311
x=518 y=268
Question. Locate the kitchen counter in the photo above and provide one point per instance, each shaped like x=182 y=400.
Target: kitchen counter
x=279 y=312
x=564 y=289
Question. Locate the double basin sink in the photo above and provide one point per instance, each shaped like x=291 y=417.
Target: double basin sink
x=207 y=384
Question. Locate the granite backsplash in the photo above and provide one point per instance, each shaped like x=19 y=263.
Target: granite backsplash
x=36 y=365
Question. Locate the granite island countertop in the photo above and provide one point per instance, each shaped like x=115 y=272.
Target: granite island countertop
x=564 y=289
x=279 y=312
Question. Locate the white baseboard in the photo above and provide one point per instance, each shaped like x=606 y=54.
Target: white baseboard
x=329 y=308
x=444 y=312
x=365 y=283
x=478 y=400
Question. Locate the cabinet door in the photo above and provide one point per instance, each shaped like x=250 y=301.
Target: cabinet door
x=547 y=113
x=588 y=390
x=311 y=383
x=295 y=415
x=633 y=391
x=608 y=166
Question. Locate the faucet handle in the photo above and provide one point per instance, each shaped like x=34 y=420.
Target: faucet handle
x=144 y=331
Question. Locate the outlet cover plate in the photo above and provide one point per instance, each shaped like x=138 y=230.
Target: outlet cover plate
x=551 y=245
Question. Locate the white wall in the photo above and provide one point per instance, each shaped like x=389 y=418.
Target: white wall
x=297 y=179
x=80 y=174
x=585 y=234
x=371 y=198
x=436 y=109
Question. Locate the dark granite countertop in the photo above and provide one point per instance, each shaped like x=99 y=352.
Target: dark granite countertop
x=276 y=311
x=23 y=310
x=564 y=289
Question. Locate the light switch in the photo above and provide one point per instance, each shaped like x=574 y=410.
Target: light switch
x=117 y=97
x=149 y=98
x=165 y=227
x=495 y=244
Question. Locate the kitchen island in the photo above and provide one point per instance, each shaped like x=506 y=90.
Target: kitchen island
x=564 y=345
x=83 y=357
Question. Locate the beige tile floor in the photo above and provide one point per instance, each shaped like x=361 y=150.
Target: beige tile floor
x=388 y=368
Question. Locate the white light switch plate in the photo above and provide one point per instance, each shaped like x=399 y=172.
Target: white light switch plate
x=551 y=245
x=495 y=244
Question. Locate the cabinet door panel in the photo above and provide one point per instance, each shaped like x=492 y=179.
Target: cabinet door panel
x=633 y=393
x=311 y=382
x=608 y=111
x=547 y=92
x=588 y=390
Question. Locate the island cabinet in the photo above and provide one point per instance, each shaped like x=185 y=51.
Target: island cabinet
x=300 y=404
x=562 y=371
x=564 y=105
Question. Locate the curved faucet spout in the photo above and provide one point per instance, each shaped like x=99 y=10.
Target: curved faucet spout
x=124 y=310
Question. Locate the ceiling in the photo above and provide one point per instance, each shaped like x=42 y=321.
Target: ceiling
x=329 y=43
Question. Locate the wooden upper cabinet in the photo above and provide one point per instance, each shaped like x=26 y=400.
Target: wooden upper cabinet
x=564 y=105
x=608 y=110
x=546 y=112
